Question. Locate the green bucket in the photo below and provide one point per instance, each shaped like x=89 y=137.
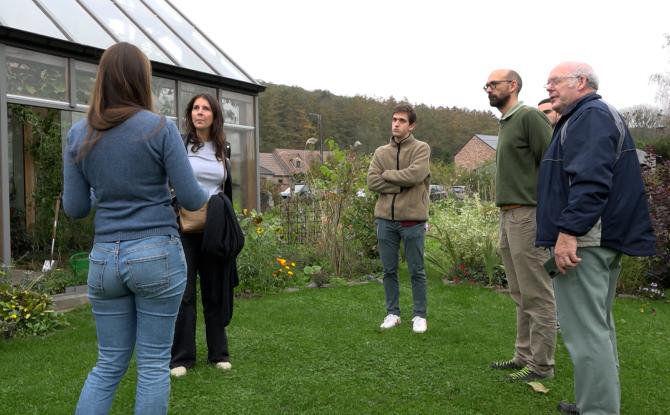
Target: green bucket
x=79 y=265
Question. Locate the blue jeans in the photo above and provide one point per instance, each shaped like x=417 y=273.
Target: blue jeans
x=389 y=234
x=135 y=288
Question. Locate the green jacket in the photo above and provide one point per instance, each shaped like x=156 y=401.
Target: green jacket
x=524 y=135
x=400 y=174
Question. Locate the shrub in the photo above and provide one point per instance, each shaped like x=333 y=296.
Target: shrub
x=26 y=313
x=262 y=264
x=462 y=240
x=657 y=181
x=633 y=274
x=337 y=219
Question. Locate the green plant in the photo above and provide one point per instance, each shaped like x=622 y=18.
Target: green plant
x=495 y=272
x=26 y=313
x=462 y=240
x=633 y=274
x=57 y=280
x=344 y=234
x=316 y=274
x=262 y=264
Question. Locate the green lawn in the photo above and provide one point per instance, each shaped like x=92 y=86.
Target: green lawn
x=319 y=351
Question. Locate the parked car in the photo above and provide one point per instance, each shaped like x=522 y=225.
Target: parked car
x=458 y=191
x=437 y=192
x=299 y=190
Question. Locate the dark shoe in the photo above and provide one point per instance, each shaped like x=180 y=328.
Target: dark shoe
x=506 y=365
x=525 y=375
x=568 y=408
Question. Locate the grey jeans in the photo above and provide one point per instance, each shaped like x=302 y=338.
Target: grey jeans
x=585 y=297
x=389 y=235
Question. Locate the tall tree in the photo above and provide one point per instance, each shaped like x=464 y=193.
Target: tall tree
x=662 y=80
x=285 y=121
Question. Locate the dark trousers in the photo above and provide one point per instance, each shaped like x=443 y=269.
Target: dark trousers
x=211 y=291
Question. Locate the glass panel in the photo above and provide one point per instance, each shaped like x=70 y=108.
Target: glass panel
x=124 y=29
x=237 y=108
x=164 y=96
x=25 y=15
x=188 y=91
x=162 y=35
x=196 y=41
x=32 y=74
x=67 y=120
x=16 y=176
x=85 y=78
x=243 y=164
x=78 y=23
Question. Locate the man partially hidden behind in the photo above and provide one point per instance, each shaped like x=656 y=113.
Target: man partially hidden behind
x=524 y=135
x=549 y=111
x=400 y=173
x=592 y=209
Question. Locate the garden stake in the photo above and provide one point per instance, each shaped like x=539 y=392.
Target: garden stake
x=49 y=263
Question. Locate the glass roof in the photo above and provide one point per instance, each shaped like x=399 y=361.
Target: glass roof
x=155 y=26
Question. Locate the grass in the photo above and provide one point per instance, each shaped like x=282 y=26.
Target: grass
x=319 y=351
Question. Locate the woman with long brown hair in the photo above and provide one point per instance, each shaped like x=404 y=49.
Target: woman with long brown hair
x=119 y=160
x=205 y=143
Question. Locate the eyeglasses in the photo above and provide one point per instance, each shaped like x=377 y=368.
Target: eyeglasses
x=494 y=84
x=558 y=80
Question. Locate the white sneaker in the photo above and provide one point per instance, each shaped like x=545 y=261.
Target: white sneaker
x=390 y=321
x=420 y=325
x=224 y=365
x=178 y=371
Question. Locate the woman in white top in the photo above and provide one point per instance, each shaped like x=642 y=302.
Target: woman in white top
x=205 y=144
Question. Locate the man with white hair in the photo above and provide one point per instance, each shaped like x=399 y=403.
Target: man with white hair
x=591 y=210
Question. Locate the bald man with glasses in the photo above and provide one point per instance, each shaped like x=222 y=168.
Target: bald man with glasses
x=523 y=136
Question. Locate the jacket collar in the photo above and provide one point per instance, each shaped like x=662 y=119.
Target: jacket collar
x=572 y=107
x=511 y=111
x=407 y=139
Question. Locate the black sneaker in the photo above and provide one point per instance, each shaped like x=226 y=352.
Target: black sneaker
x=525 y=375
x=506 y=365
x=568 y=408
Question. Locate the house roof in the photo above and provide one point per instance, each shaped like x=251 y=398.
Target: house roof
x=267 y=161
x=490 y=140
x=282 y=161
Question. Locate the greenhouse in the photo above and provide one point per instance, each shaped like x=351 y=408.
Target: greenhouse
x=48 y=52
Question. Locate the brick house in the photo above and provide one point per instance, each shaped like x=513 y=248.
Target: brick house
x=477 y=151
x=282 y=165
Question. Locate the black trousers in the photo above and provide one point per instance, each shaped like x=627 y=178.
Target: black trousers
x=211 y=291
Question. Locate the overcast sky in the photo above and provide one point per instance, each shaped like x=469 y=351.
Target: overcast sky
x=436 y=52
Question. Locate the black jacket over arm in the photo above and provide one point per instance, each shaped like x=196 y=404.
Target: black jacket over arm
x=223 y=238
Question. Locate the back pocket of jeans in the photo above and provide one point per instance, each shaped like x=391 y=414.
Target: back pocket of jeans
x=149 y=275
x=96 y=271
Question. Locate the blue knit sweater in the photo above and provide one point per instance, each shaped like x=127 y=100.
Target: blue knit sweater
x=126 y=177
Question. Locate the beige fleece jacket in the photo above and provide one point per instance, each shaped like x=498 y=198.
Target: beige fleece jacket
x=400 y=174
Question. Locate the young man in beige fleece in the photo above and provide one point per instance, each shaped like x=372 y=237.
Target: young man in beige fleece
x=400 y=173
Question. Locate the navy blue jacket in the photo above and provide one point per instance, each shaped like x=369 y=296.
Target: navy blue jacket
x=592 y=179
